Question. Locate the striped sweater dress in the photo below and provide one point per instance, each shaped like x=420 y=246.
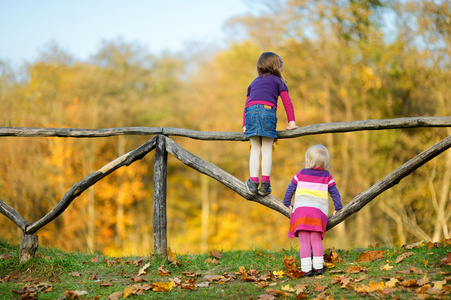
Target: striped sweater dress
x=311 y=206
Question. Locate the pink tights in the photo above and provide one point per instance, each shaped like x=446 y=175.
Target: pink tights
x=310 y=240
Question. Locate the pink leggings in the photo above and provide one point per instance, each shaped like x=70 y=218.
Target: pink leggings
x=310 y=240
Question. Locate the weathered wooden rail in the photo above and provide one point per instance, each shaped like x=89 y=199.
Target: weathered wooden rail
x=164 y=145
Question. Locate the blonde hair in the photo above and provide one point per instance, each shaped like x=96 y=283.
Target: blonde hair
x=271 y=63
x=317 y=156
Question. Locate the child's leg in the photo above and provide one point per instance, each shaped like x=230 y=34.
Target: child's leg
x=266 y=149
x=305 y=251
x=318 y=250
x=254 y=158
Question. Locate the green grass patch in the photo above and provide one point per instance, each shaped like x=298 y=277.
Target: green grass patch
x=414 y=271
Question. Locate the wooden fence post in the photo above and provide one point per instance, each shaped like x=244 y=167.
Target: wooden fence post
x=28 y=247
x=159 y=197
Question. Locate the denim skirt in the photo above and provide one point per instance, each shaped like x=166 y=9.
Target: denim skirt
x=261 y=121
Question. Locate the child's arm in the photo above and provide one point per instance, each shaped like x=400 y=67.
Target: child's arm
x=289 y=109
x=289 y=194
x=335 y=195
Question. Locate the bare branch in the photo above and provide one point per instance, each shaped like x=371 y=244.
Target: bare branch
x=230 y=136
x=13 y=215
x=222 y=176
x=388 y=181
x=90 y=180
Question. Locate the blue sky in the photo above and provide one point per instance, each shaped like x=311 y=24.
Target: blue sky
x=79 y=27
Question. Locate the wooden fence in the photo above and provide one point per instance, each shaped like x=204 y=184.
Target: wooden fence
x=162 y=144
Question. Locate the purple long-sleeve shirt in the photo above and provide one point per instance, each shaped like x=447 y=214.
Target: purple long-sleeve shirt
x=266 y=89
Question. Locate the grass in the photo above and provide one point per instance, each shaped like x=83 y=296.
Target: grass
x=374 y=272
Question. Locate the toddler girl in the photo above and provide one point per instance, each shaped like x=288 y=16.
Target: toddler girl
x=260 y=118
x=310 y=209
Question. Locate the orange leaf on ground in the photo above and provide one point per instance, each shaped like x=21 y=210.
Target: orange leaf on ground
x=402 y=256
x=371 y=255
x=289 y=263
x=172 y=257
x=319 y=288
x=355 y=269
x=331 y=256
x=216 y=254
x=446 y=260
x=163 y=272
x=409 y=283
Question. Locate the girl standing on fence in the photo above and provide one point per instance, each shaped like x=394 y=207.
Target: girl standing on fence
x=260 y=118
x=309 y=213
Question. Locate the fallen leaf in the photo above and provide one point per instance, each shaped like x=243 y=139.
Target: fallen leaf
x=431 y=245
x=409 y=283
x=402 y=256
x=371 y=255
x=446 y=260
x=423 y=281
x=106 y=284
x=75 y=274
x=414 y=245
x=439 y=284
x=5 y=256
x=276 y=292
x=266 y=297
x=162 y=286
x=289 y=263
x=142 y=271
x=130 y=290
x=331 y=256
x=387 y=267
x=163 y=272
x=300 y=288
x=293 y=274
x=279 y=274
x=74 y=294
x=287 y=288
x=203 y=284
x=216 y=254
x=114 y=296
x=211 y=261
x=319 y=288
x=329 y=265
x=355 y=269
x=212 y=278
x=172 y=257
x=392 y=282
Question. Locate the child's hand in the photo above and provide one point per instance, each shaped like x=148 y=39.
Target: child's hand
x=292 y=125
x=291 y=208
x=244 y=129
x=334 y=213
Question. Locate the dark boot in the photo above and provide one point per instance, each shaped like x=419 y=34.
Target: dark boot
x=251 y=187
x=265 y=189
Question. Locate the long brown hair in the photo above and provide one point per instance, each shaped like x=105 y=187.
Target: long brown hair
x=271 y=63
